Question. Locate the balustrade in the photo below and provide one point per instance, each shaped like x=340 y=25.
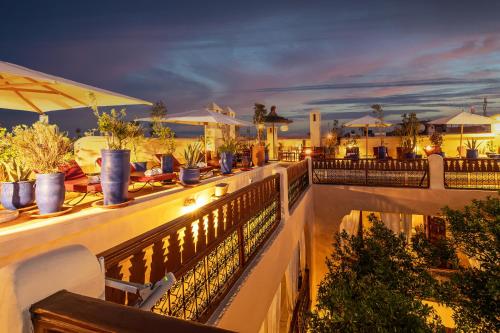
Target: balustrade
x=472 y=173
x=298 y=181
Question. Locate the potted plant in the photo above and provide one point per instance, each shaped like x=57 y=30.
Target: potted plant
x=190 y=171
x=137 y=138
x=380 y=151
x=436 y=140
x=44 y=149
x=408 y=134
x=472 y=148
x=167 y=136
x=258 y=150
x=333 y=139
x=492 y=150
x=266 y=153
x=227 y=151
x=17 y=190
x=351 y=147
x=115 y=165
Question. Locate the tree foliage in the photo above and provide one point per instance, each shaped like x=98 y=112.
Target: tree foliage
x=474 y=292
x=374 y=283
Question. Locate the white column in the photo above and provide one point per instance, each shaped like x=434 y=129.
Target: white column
x=436 y=172
x=315 y=128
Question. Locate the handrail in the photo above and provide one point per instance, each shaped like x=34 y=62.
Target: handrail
x=206 y=250
x=370 y=172
x=480 y=173
x=68 y=312
x=298 y=181
x=298 y=322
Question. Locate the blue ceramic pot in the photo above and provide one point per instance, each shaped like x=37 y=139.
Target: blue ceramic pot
x=410 y=156
x=266 y=156
x=226 y=162
x=15 y=195
x=381 y=152
x=472 y=153
x=115 y=175
x=167 y=163
x=190 y=176
x=49 y=192
x=140 y=166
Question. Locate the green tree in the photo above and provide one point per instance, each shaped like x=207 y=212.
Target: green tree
x=260 y=112
x=474 y=292
x=375 y=283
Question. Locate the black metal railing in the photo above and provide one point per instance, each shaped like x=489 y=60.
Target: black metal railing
x=207 y=250
x=370 y=172
x=298 y=181
x=483 y=174
x=301 y=309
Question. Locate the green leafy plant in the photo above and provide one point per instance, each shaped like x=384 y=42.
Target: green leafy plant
x=114 y=126
x=378 y=113
x=374 y=283
x=260 y=113
x=333 y=137
x=193 y=154
x=436 y=139
x=473 y=144
x=11 y=164
x=492 y=148
x=136 y=139
x=41 y=147
x=474 y=292
x=166 y=135
x=408 y=132
x=229 y=145
x=351 y=141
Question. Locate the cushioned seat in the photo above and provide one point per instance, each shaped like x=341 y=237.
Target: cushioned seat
x=140 y=177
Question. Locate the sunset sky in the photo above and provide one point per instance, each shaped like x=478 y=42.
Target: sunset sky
x=430 y=57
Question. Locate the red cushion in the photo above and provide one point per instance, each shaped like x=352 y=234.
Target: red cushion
x=99 y=162
x=72 y=170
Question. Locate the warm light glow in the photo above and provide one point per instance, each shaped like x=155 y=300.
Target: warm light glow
x=284 y=128
x=191 y=204
x=428 y=148
x=261 y=126
x=308 y=151
x=329 y=136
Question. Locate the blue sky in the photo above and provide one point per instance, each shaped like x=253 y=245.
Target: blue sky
x=429 y=57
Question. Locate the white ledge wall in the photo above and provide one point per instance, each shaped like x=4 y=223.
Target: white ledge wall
x=100 y=229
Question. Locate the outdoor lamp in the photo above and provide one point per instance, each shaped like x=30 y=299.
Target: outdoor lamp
x=308 y=151
x=284 y=128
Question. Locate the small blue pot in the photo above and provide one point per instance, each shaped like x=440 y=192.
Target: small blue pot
x=410 y=156
x=15 y=195
x=472 y=153
x=167 y=163
x=49 y=192
x=140 y=166
x=226 y=162
x=381 y=152
x=190 y=176
x=266 y=156
x=115 y=175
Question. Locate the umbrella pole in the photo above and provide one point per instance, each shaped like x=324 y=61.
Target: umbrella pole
x=366 y=145
x=274 y=143
x=461 y=137
x=206 y=147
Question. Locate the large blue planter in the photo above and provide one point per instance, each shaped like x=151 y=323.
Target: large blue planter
x=266 y=156
x=49 y=192
x=380 y=152
x=115 y=175
x=472 y=153
x=15 y=195
x=167 y=163
x=190 y=176
x=410 y=156
x=226 y=162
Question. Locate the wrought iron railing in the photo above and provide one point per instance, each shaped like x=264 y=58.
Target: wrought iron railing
x=207 y=251
x=370 y=172
x=481 y=174
x=301 y=309
x=298 y=181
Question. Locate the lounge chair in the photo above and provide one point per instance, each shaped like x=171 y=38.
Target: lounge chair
x=75 y=180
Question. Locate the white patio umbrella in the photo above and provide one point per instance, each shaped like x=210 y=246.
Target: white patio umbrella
x=462 y=118
x=366 y=122
x=25 y=89
x=200 y=118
